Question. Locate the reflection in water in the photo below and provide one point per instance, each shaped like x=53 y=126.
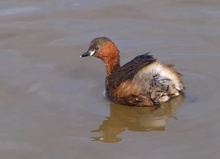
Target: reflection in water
x=141 y=119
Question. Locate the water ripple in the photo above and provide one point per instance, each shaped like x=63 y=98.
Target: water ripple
x=20 y=10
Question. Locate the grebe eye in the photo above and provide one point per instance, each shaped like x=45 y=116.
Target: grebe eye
x=96 y=48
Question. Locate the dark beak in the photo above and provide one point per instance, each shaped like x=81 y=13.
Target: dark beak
x=87 y=53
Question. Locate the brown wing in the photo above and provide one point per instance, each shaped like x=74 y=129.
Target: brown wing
x=129 y=70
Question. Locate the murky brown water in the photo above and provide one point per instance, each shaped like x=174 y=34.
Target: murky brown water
x=52 y=103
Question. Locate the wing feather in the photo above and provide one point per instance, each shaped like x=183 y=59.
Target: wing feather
x=130 y=69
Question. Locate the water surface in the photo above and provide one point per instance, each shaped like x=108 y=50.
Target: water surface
x=51 y=100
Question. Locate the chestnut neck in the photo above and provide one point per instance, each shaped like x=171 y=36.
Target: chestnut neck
x=111 y=66
x=110 y=56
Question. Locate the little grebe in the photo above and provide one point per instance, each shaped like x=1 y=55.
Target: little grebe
x=141 y=82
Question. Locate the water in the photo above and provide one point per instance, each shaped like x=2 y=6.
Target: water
x=52 y=103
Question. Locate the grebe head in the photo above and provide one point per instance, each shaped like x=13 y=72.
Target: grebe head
x=103 y=48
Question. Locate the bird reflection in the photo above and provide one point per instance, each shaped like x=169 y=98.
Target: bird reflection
x=139 y=119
